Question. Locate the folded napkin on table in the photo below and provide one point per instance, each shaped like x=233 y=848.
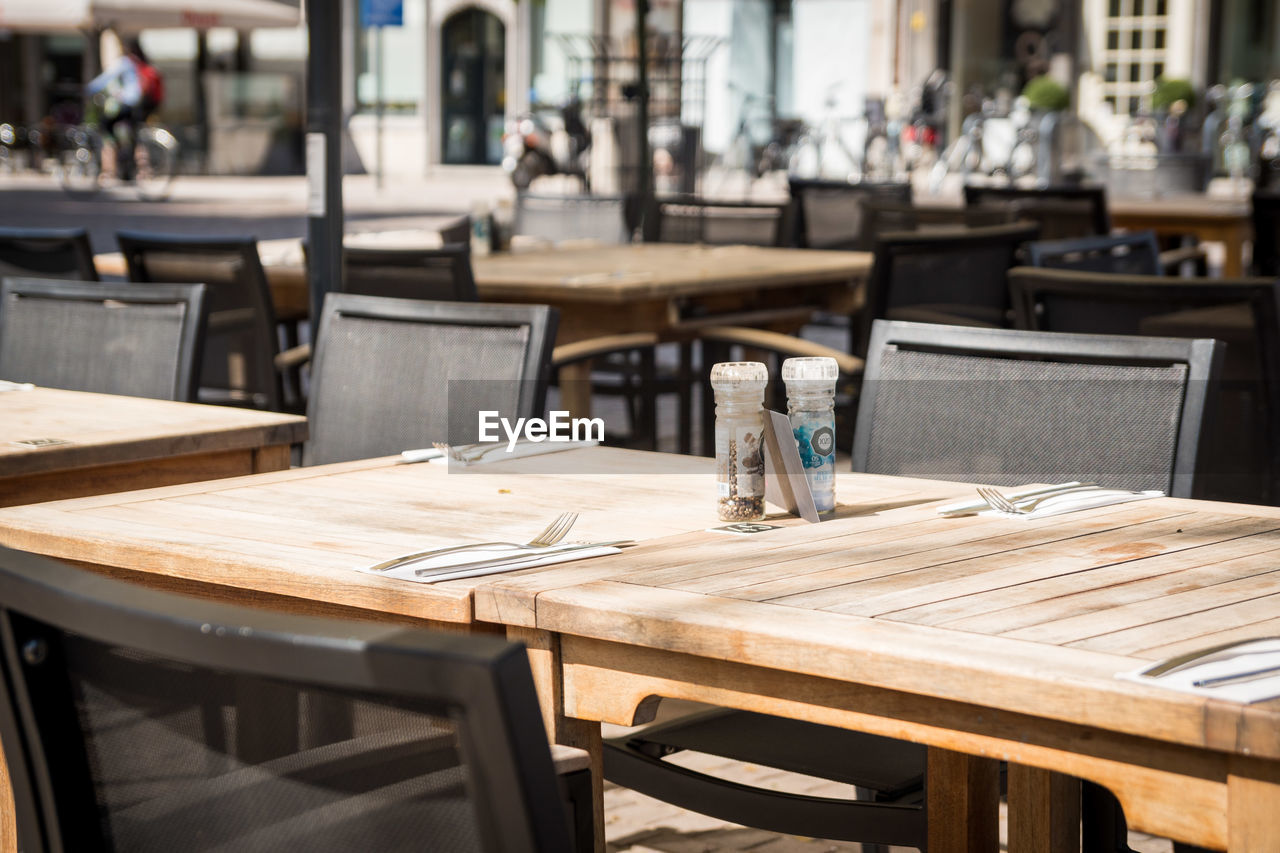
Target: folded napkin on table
x=497 y=452
x=1241 y=672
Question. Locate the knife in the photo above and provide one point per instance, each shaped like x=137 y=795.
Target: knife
x=515 y=560
x=1237 y=677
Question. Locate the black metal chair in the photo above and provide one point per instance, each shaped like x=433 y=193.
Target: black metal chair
x=1062 y=212
x=394 y=374
x=1266 y=232
x=576 y=217
x=241 y=340
x=690 y=219
x=1244 y=462
x=62 y=253
x=112 y=690
x=139 y=341
x=1132 y=254
x=952 y=276
x=442 y=274
x=829 y=214
x=1009 y=407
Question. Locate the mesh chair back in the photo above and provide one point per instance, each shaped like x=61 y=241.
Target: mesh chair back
x=1062 y=212
x=135 y=720
x=1132 y=254
x=829 y=214
x=62 y=253
x=393 y=374
x=691 y=220
x=559 y=218
x=1245 y=313
x=958 y=274
x=106 y=338
x=442 y=274
x=1006 y=407
x=240 y=339
x=1266 y=232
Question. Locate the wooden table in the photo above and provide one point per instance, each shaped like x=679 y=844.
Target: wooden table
x=1211 y=219
x=639 y=287
x=290 y=540
x=985 y=639
x=61 y=444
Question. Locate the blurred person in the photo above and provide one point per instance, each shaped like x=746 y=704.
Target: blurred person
x=133 y=89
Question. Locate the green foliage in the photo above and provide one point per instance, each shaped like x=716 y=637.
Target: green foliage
x=1045 y=93
x=1170 y=90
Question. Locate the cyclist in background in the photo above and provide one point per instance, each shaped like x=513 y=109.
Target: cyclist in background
x=133 y=89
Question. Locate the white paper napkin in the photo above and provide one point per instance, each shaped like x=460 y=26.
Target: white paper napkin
x=1248 y=672
x=496 y=559
x=6 y=385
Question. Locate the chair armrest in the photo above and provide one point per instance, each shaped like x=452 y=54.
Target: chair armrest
x=788 y=345
x=293 y=357
x=232 y=318
x=590 y=348
x=569 y=759
x=1172 y=259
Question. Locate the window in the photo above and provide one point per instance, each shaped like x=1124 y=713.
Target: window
x=1135 y=51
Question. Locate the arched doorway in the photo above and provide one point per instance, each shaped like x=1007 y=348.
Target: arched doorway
x=474 y=91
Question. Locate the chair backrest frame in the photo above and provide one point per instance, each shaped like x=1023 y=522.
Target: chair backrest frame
x=913 y=244
x=534 y=369
x=1092 y=253
x=606 y=218
x=881 y=191
x=704 y=213
x=260 y=322
x=190 y=335
x=455 y=257
x=1202 y=356
x=515 y=792
x=1094 y=196
x=25 y=251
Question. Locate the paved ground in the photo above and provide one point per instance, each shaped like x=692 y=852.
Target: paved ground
x=269 y=208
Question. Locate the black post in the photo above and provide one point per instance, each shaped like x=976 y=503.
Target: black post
x=645 y=176
x=324 y=151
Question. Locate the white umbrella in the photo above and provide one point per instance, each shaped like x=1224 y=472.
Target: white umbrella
x=131 y=15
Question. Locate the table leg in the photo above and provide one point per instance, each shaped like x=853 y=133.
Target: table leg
x=575 y=389
x=1253 y=813
x=8 y=814
x=544 y=660
x=963 y=796
x=1233 y=240
x=1044 y=811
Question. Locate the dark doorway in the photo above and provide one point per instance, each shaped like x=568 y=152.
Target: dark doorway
x=473 y=80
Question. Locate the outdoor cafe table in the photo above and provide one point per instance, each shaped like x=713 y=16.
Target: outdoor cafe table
x=1210 y=219
x=62 y=444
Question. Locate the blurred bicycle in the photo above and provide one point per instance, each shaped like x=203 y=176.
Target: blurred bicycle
x=87 y=161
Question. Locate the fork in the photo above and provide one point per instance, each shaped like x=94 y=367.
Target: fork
x=1001 y=502
x=472 y=454
x=554 y=532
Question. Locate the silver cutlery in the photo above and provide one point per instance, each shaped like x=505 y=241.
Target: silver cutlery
x=515 y=561
x=1211 y=654
x=1027 y=505
x=972 y=507
x=469 y=452
x=1237 y=677
x=554 y=532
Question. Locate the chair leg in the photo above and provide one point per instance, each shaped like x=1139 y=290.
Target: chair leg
x=1103 y=828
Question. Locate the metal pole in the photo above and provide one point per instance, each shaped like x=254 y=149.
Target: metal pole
x=645 y=174
x=377 y=181
x=324 y=152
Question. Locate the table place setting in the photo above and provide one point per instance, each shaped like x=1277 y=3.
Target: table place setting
x=1044 y=501
x=475 y=559
x=441 y=453
x=1247 y=671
